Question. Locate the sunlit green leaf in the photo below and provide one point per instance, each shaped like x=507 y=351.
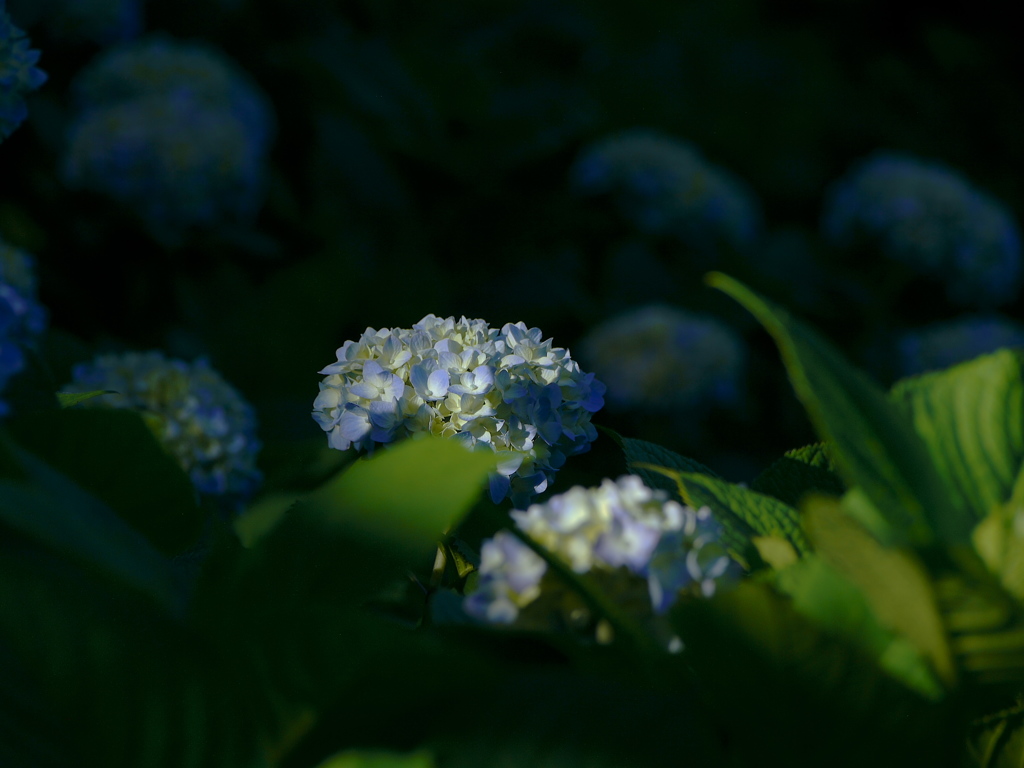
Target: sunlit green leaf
x=893 y=581
x=68 y=399
x=971 y=418
x=876 y=445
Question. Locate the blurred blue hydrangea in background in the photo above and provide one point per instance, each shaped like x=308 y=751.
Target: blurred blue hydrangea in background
x=199 y=418
x=647 y=548
x=507 y=389
x=661 y=358
x=173 y=130
x=18 y=74
x=22 y=318
x=947 y=343
x=929 y=217
x=664 y=187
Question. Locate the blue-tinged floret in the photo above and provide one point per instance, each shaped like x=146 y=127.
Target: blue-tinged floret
x=197 y=416
x=633 y=539
x=659 y=358
x=941 y=345
x=505 y=389
x=664 y=187
x=22 y=318
x=173 y=130
x=18 y=74
x=929 y=217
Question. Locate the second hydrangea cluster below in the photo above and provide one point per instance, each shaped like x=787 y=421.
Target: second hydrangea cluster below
x=644 y=550
x=505 y=389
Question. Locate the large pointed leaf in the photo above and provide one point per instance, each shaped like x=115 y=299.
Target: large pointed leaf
x=971 y=418
x=839 y=607
x=876 y=445
x=893 y=581
x=290 y=607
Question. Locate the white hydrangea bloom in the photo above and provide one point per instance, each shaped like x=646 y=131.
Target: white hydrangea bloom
x=620 y=529
x=661 y=358
x=509 y=390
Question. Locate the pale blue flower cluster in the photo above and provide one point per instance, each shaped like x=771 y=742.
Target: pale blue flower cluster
x=621 y=529
x=664 y=187
x=18 y=74
x=173 y=130
x=22 y=318
x=926 y=215
x=196 y=415
x=941 y=345
x=662 y=358
x=506 y=389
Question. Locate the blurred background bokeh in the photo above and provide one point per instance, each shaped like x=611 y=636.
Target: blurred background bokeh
x=256 y=182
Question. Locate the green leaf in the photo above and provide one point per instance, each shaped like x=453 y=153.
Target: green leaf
x=292 y=605
x=893 y=581
x=68 y=399
x=875 y=443
x=799 y=472
x=997 y=741
x=971 y=418
x=640 y=453
x=114 y=456
x=407 y=495
x=47 y=507
x=764 y=515
x=376 y=759
x=123 y=683
x=788 y=691
x=839 y=607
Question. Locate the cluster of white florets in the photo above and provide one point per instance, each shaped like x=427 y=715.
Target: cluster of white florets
x=633 y=537
x=509 y=390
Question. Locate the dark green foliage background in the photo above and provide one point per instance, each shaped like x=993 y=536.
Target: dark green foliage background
x=421 y=166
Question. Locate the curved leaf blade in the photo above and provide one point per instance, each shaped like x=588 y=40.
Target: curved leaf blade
x=876 y=445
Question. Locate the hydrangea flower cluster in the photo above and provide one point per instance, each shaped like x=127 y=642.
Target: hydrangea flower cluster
x=22 y=318
x=18 y=74
x=173 y=130
x=664 y=187
x=199 y=418
x=509 y=390
x=941 y=345
x=929 y=217
x=661 y=358
x=632 y=537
